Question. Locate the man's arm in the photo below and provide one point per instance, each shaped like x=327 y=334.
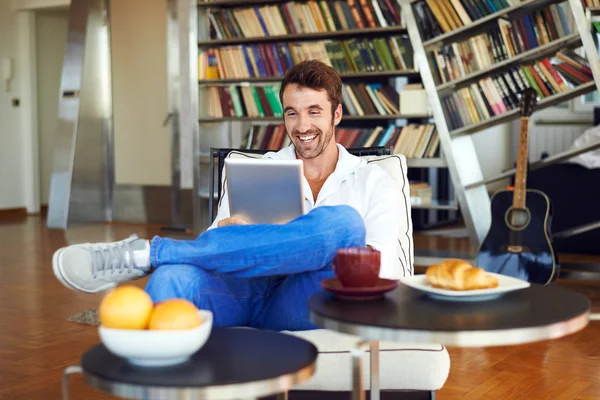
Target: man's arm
x=389 y=228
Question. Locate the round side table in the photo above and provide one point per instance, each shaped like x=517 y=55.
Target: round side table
x=410 y=316
x=407 y=315
x=234 y=363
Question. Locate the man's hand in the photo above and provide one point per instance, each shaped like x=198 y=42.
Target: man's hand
x=232 y=221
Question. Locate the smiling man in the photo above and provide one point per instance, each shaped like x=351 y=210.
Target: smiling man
x=263 y=275
x=312 y=109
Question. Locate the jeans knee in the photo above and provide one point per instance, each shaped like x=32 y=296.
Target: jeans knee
x=345 y=218
x=354 y=224
x=173 y=281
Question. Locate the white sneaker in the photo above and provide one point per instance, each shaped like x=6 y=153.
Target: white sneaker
x=94 y=267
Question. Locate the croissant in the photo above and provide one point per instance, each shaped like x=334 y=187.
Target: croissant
x=456 y=274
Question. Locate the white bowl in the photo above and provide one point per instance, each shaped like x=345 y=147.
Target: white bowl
x=154 y=348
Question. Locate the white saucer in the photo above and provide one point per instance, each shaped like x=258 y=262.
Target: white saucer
x=506 y=284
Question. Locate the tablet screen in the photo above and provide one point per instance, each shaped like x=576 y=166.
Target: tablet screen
x=265 y=191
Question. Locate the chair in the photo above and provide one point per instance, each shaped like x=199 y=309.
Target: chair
x=221 y=153
x=402 y=367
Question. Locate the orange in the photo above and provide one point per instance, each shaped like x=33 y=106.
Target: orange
x=175 y=314
x=126 y=307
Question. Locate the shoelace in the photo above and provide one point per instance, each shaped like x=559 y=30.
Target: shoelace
x=111 y=259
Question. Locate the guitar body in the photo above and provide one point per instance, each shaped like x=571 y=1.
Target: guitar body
x=525 y=252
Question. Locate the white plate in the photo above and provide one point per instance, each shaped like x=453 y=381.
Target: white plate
x=506 y=284
x=157 y=348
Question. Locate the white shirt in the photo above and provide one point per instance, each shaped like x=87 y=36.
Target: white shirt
x=367 y=188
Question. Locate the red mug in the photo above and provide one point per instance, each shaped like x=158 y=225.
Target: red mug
x=357 y=266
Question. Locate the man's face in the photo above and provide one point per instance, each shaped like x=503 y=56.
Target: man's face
x=308 y=120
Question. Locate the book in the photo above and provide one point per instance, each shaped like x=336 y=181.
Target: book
x=499 y=93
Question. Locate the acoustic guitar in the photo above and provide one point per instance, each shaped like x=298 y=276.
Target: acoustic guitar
x=519 y=243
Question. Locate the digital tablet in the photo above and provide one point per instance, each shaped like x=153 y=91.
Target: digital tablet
x=265 y=191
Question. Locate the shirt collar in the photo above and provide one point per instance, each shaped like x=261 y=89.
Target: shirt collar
x=346 y=165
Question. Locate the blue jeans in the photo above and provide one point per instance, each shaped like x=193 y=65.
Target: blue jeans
x=256 y=275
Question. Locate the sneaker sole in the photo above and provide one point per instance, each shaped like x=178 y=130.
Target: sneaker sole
x=61 y=278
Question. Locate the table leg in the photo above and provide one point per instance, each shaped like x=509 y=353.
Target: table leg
x=282 y=396
x=71 y=369
x=358 y=392
x=375 y=388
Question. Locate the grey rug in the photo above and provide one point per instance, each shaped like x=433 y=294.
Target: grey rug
x=86 y=317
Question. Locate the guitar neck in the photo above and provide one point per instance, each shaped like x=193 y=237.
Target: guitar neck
x=522 y=157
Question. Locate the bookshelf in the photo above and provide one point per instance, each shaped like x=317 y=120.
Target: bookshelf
x=514 y=114
x=570 y=41
x=355 y=75
x=482 y=24
x=457 y=142
x=305 y=36
x=345 y=118
x=219 y=3
x=436 y=205
x=226 y=130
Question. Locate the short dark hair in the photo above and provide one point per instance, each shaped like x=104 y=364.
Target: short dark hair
x=315 y=75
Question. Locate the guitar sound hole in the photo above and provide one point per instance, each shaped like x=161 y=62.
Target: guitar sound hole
x=517 y=219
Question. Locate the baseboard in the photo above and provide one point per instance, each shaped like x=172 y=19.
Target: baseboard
x=11 y=214
x=42 y=213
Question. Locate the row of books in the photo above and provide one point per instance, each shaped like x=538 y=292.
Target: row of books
x=535 y=29
x=263 y=100
x=500 y=43
x=300 y=17
x=241 y=101
x=370 y=99
x=420 y=192
x=591 y=3
x=274 y=59
x=499 y=93
x=414 y=141
x=435 y=17
x=266 y=137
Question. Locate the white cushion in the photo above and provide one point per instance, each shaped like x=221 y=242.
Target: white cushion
x=241 y=154
x=395 y=166
x=402 y=366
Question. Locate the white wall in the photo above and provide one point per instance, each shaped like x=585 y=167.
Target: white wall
x=11 y=141
x=493 y=148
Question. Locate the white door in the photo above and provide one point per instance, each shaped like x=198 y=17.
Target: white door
x=140 y=97
x=51 y=33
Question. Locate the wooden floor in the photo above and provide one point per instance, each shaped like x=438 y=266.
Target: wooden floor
x=37 y=343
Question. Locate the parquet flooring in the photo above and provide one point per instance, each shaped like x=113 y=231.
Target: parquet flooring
x=37 y=343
